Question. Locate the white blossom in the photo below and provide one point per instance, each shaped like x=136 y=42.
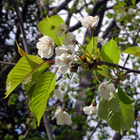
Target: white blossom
x=57 y=112
x=133 y=23
x=61 y=29
x=90 y=110
x=64 y=118
x=120 y=26
x=123 y=13
x=138 y=13
x=90 y=22
x=131 y=11
x=105 y=90
x=119 y=15
x=68 y=49
x=58 y=94
x=70 y=39
x=64 y=62
x=101 y=40
x=44 y=47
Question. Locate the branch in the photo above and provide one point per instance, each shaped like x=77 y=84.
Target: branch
x=59 y=8
x=94 y=129
x=21 y=26
x=108 y=64
x=7 y=63
x=132 y=46
x=47 y=126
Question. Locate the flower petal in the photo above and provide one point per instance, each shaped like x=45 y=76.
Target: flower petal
x=64 y=69
x=68 y=120
x=57 y=112
x=64 y=118
x=58 y=94
x=60 y=50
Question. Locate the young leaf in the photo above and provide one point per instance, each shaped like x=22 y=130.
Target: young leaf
x=91 y=48
x=32 y=77
x=133 y=2
x=21 y=52
x=47 y=27
x=133 y=51
x=110 y=52
x=24 y=66
x=126 y=99
x=102 y=70
x=43 y=88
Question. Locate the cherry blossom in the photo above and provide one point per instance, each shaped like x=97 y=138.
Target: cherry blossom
x=120 y=26
x=105 y=90
x=138 y=13
x=61 y=29
x=63 y=117
x=68 y=49
x=44 y=47
x=70 y=39
x=131 y=11
x=58 y=94
x=90 y=109
x=57 y=112
x=64 y=62
x=90 y=22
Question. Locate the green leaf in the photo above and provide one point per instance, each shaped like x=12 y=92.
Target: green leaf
x=43 y=88
x=47 y=27
x=32 y=77
x=133 y=51
x=102 y=70
x=133 y=2
x=127 y=115
x=31 y=91
x=111 y=52
x=113 y=103
x=91 y=48
x=21 y=52
x=103 y=109
x=24 y=66
x=126 y=99
x=120 y=116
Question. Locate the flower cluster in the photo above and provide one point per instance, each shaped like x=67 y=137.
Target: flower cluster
x=105 y=90
x=64 y=58
x=64 y=53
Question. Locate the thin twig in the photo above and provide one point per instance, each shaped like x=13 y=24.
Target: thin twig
x=94 y=129
x=27 y=131
x=7 y=63
x=132 y=46
x=21 y=26
x=108 y=64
